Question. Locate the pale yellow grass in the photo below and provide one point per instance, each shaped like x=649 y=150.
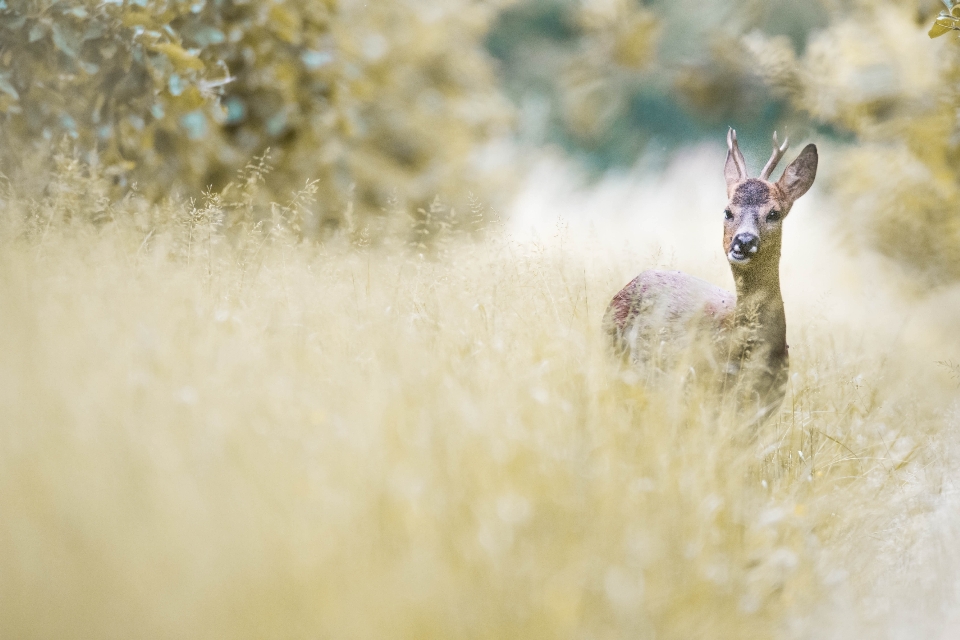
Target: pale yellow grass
x=232 y=434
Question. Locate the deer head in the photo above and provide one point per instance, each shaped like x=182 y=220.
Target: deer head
x=757 y=207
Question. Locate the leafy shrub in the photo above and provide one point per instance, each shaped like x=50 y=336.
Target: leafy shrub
x=612 y=79
x=574 y=67
x=875 y=75
x=365 y=99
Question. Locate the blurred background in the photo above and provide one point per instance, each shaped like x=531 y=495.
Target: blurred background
x=300 y=313
x=385 y=107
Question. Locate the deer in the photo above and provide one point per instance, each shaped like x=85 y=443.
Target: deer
x=746 y=331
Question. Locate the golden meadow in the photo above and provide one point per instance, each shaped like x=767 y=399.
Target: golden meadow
x=225 y=417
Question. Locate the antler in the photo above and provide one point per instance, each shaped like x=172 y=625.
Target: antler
x=778 y=151
x=736 y=154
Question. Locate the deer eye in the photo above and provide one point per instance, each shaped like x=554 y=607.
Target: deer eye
x=728 y=215
x=773 y=216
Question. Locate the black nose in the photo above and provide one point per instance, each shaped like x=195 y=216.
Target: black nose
x=745 y=243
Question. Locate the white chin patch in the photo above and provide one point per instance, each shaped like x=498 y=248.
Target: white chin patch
x=735 y=259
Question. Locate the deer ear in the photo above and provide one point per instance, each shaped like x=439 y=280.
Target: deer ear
x=735 y=169
x=798 y=177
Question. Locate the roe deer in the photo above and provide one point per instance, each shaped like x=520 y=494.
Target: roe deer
x=747 y=331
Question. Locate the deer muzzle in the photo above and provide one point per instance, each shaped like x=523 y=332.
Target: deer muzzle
x=743 y=248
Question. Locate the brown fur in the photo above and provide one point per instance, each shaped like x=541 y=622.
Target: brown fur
x=752 y=192
x=747 y=331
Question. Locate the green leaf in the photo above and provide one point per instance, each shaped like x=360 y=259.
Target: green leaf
x=65 y=40
x=180 y=57
x=195 y=123
x=94 y=31
x=941 y=26
x=175 y=84
x=204 y=36
x=8 y=88
x=236 y=110
x=36 y=33
x=937 y=30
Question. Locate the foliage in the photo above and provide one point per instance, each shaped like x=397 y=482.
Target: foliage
x=947 y=21
x=689 y=77
x=95 y=72
x=367 y=100
x=574 y=66
x=873 y=73
x=615 y=41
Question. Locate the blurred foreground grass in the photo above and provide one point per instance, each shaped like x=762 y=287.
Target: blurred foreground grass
x=213 y=431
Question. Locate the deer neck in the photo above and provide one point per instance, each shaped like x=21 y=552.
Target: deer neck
x=760 y=306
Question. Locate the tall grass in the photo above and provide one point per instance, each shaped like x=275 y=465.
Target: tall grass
x=212 y=429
